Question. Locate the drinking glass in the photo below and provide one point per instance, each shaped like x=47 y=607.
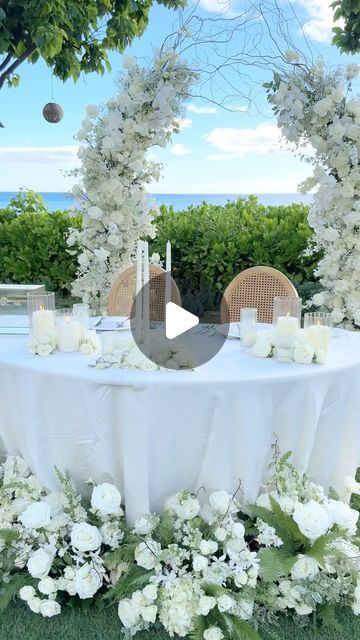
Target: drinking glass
x=248 y=326
x=80 y=312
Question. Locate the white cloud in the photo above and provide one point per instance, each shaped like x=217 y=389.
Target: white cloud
x=184 y=123
x=41 y=155
x=237 y=143
x=180 y=150
x=216 y=6
x=320 y=23
x=196 y=109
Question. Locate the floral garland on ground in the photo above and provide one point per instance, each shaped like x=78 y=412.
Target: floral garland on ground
x=316 y=107
x=209 y=568
x=115 y=170
x=301 y=351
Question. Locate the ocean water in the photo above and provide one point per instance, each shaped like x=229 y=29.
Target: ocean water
x=179 y=201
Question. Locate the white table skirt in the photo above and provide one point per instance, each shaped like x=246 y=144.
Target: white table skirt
x=153 y=433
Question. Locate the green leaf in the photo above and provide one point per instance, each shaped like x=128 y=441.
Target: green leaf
x=200 y=626
x=125 y=553
x=136 y=579
x=275 y=563
x=12 y=588
x=239 y=629
x=9 y=535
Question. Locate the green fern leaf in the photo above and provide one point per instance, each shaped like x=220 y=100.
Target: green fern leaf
x=12 y=588
x=199 y=627
x=136 y=579
x=9 y=535
x=239 y=629
x=275 y=563
x=125 y=553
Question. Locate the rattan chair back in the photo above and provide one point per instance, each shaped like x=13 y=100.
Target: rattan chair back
x=122 y=293
x=255 y=287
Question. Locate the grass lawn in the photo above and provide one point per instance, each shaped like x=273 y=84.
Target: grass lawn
x=18 y=623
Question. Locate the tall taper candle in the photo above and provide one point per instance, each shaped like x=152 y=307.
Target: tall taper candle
x=138 y=299
x=168 y=273
x=146 y=296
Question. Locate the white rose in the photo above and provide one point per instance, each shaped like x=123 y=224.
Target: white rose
x=47 y=585
x=225 y=603
x=237 y=530
x=114 y=240
x=343 y=515
x=208 y=547
x=50 y=608
x=241 y=578
x=213 y=633
x=149 y=613
x=304 y=567
x=303 y=353
x=351 y=485
x=106 y=499
x=128 y=614
x=144 y=525
x=87 y=581
x=221 y=502
x=313 y=519
x=303 y=609
x=85 y=537
x=36 y=515
x=221 y=534
x=188 y=509
x=95 y=213
x=200 y=563
x=150 y=592
x=39 y=563
x=27 y=593
x=206 y=603
x=34 y=604
x=146 y=554
x=262 y=348
x=44 y=349
x=245 y=609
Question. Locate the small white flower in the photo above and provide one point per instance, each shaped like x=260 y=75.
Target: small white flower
x=27 y=593
x=85 y=537
x=39 y=563
x=221 y=502
x=34 y=604
x=208 y=547
x=304 y=568
x=88 y=581
x=263 y=348
x=50 y=608
x=47 y=586
x=303 y=353
x=146 y=554
x=106 y=499
x=128 y=614
x=213 y=633
x=225 y=603
x=200 y=563
x=351 y=485
x=92 y=110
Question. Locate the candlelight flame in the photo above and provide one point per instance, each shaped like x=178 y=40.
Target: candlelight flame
x=42 y=308
x=318 y=322
x=288 y=314
x=67 y=318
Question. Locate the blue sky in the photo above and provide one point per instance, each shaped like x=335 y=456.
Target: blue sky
x=217 y=151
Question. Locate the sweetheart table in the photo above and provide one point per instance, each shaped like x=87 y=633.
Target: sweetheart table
x=154 y=433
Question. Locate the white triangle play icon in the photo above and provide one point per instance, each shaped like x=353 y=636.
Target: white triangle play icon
x=178 y=320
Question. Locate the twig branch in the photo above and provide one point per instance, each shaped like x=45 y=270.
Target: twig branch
x=16 y=64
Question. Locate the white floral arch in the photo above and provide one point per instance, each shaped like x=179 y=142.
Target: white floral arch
x=315 y=106
x=115 y=169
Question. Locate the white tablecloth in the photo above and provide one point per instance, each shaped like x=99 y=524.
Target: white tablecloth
x=153 y=433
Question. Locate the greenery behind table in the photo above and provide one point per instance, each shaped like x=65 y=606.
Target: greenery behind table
x=210 y=245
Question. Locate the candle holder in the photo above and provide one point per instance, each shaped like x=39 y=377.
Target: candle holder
x=286 y=322
x=248 y=326
x=318 y=327
x=41 y=311
x=80 y=312
x=68 y=331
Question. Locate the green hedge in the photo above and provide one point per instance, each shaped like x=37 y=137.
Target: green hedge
x=33 y=245
x=210 y=245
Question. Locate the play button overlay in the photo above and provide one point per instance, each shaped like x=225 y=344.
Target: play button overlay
x=168 y=334
x=178 y=320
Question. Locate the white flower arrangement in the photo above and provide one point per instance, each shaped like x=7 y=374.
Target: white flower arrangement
x=302 y=352
x=89 y=343
x=42 y=346
x=116 y=169
x=205 y=567
x=316 y=107
x=127 y=355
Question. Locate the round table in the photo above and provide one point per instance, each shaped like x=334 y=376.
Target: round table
x=154 y=433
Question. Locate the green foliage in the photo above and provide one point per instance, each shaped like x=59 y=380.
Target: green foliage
x=347 y=37
x=8 y=536
x=125 y=553
x=239 y=629
x=285 y=527
x=275 y=563
x=33 y=246
x=211 y=244
x=9 y=591
x=70 y=36
x=135 y=579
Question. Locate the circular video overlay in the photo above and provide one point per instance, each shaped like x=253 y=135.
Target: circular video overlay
x=169 y=335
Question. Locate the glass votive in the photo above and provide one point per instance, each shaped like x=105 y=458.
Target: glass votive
x=68 y=331
x=248 y=326
x=80 y=312
x=108 y=342
x=41 y=310
x=317 y=328
x=286 y=322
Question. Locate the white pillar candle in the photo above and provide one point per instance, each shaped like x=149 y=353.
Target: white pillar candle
x=43 y=323
x=108 y=342
x=68 y=334
x=146 y=287
x=138 y=292
x=319 y=336
x=287 y=325
x=168 y=273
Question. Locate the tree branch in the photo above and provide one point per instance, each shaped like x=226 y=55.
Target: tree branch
x=6 y=61
x=16 y=64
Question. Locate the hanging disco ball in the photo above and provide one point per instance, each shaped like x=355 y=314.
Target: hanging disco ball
x=52 y=112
